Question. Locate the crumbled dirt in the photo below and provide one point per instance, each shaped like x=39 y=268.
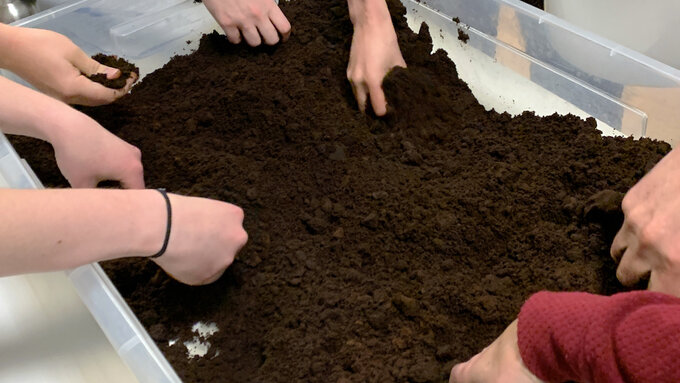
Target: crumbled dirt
x=380 y=250
x=126 y=69
x=463 y=36
x=535 y=3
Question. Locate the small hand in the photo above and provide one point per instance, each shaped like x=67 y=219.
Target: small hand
x=57 y=67
x=255 y=20
x=374 y=52
x=648 y=243
x=501 y=362
x=86 y=153
x=204 y=239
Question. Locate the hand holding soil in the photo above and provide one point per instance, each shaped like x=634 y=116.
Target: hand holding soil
x=126 y=73
x=375 y=51
x=501 y=362
x=256 y=21
x=648 y=244
x=57 y=67
x=205 y=237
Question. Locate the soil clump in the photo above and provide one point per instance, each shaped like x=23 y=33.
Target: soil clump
x=126 y=69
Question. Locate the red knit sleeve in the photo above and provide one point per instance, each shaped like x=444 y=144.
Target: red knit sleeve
x=628 y=337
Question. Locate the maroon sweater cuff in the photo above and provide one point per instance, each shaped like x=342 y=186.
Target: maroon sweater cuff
x=589 y=338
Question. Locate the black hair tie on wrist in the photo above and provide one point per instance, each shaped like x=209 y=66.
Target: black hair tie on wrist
x=167 y=230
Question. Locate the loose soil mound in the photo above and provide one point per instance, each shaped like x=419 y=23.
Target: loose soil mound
x=380 y=250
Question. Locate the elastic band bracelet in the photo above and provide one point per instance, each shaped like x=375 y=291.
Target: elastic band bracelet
x=169 y=226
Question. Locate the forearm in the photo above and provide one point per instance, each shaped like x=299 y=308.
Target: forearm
x=27 y=112
x=44 y=230
x=368 y=12
x=8 y=43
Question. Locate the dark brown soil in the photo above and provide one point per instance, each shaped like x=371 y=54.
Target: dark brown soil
x=463 y=36
x=126 y=69
x=535 y=3
x=380 y=250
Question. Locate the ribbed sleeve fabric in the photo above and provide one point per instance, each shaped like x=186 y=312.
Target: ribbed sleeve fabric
x=628 y=337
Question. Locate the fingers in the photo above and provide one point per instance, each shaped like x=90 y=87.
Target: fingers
x=233 y=34
x=268 y=32
x=280 y=22
x=621 y=240
x=89 y=93
x=378 y=99
x=87 y=65
x=251 y=35
x=360 y=94
x=362 y=91
x=633 y=266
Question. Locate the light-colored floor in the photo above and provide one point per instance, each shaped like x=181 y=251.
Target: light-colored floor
x=48 y=335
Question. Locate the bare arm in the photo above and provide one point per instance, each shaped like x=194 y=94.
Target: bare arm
x=85 y=152
x=375 y=51
x=45 y=230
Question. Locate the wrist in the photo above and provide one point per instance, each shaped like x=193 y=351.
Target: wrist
x=365 y=13
x=59 y=123
x=146 y=223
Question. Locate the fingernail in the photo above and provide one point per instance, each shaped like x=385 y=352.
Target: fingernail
x=111 y=73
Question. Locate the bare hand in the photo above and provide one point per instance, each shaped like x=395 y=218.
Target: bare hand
x=57 y=67
x=86 y=154
x=254 y=20
x=205 y=237
x=648 y=243
x=375 y=51
x=501 y=362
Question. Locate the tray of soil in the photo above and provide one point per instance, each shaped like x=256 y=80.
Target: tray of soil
x=380 y=250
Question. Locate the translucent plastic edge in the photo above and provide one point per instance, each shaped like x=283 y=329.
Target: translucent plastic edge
x=476 y=36
x=614 y=47
x=50 y=13
x=113 y=303
x=542 y=17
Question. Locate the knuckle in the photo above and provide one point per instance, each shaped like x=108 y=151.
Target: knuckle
x=136 y=152
x=648 y=236
x=272 y=41
x=627 y=204
x=134 y=169
x=242 y=237
x=254 y=12
x=237 y=213
x=225 y=20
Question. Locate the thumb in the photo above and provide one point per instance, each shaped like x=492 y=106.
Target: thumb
x=111 y=73
x=89 y=66
x=82 y=183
